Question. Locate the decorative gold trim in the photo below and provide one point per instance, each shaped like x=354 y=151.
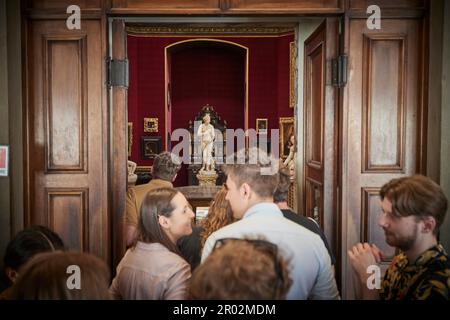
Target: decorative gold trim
x=201 y=29
x=292 y=74
x=150 y=124
x=143 y=169
x=130 y=137
x=284 y=121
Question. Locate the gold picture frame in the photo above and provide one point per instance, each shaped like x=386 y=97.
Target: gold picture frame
x=262 y=125
x=292 y=74
x=130 y=137
x=286 y=130
x=150 y=124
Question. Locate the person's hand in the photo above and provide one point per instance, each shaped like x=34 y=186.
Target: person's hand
x=362 y=256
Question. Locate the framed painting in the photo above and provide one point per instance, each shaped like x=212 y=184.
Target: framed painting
x=4 y=161
x=150 y=124
x=286 y=131
x=151 y=146
x=130 y=137
x=261 y=125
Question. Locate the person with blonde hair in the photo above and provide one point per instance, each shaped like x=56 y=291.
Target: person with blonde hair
x=152 y=269
x=47 y=276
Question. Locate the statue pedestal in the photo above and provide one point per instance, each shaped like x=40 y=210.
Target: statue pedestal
x=207 y=178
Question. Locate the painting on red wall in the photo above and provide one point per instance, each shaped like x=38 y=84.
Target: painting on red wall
x=261 y=126
x=151 y=146
x=150 y=124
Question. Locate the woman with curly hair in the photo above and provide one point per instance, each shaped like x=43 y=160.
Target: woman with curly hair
x=219 y=215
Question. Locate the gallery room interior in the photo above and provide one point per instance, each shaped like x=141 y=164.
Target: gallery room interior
x=86 y=110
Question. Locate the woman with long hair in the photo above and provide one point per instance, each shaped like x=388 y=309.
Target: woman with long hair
x=219 y=215
x=153 y=268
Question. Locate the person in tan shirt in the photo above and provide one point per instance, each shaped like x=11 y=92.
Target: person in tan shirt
x=152 y=268
x=164 y=171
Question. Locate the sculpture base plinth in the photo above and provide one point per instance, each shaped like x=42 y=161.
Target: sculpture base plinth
x=207 y=178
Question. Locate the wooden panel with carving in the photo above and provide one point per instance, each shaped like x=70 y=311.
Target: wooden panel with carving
x=388 y=8
x=66 y=132
x=394 y=107
x=320 y=131
x=385 y=4
x=314 y=200
x=63 y=4
x=314 y=99
x=65 y=104
x=166 y=6
x=67 y=215
x=370 y=231
x=384 y=62
x=284 y=6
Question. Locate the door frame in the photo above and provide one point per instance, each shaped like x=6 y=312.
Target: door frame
x=118 y=120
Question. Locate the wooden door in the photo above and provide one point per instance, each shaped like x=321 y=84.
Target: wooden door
x=382 y=118
x=66 y=133
x=320 y=129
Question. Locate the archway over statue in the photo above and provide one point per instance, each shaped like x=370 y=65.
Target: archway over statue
x=201 y=72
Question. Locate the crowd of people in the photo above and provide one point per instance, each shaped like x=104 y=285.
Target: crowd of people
x=251 y=245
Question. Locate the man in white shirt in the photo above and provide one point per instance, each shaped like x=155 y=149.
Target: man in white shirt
x=250 y=194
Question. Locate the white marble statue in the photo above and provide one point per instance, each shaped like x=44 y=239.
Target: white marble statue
x=132 y=177
x=206 y=134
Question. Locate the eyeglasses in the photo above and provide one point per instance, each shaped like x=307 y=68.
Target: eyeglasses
x=265 y=247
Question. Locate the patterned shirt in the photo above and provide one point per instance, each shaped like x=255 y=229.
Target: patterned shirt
x=428 y=278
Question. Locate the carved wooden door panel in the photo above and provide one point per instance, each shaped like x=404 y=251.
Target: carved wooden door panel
x=382 y=121
x=66 y=137
x=320 y=128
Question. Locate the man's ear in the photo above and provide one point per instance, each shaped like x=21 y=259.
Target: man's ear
x=246 y=190
x=429 y=224
x=11 y=273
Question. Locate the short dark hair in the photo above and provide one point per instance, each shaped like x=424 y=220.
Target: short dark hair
x=156 y=203
x=45 y=277
x=165 y=166
x=284 y=182
x=416 y=196
x=262 y=184
x=28 y=243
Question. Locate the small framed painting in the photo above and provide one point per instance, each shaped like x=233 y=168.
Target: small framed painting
x=150 y=124
x=261 y=125
x=151 y=146
x=4 y=161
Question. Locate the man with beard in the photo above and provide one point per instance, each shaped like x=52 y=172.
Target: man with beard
x=413 y=209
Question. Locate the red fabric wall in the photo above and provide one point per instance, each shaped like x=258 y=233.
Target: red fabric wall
x=207 y=74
